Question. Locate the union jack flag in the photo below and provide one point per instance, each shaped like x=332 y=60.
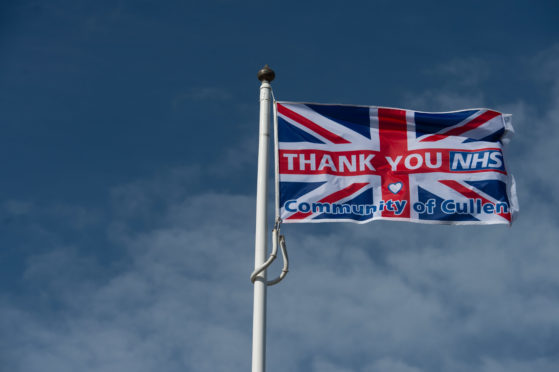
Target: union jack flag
x=363 y=163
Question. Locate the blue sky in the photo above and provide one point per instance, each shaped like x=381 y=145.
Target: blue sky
x=128 y=138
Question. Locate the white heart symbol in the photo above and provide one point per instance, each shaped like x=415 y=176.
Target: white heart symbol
x=395 y=187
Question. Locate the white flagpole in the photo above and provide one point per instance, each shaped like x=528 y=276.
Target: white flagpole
x=265 y=75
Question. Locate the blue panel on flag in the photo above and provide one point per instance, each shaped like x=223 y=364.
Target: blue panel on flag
x=494 y=188
x=493 y=137
x=353 y=117
x=293 y=190
x=356 y=206
x=290 y=133
x=437 y=213
x=429 y=123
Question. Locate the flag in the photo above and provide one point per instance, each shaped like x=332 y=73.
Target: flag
x=340 y=163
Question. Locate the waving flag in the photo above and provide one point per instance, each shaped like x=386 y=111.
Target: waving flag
x=363 y=163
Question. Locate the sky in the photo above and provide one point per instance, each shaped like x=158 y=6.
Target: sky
x=128 y=143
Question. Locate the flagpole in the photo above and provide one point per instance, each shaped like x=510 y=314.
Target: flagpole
x=265 y=75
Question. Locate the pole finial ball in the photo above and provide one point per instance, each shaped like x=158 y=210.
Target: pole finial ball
x=266 y=74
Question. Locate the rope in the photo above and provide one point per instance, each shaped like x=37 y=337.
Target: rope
x=276 y=240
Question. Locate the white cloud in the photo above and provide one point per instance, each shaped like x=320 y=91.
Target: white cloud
x=183 y=300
